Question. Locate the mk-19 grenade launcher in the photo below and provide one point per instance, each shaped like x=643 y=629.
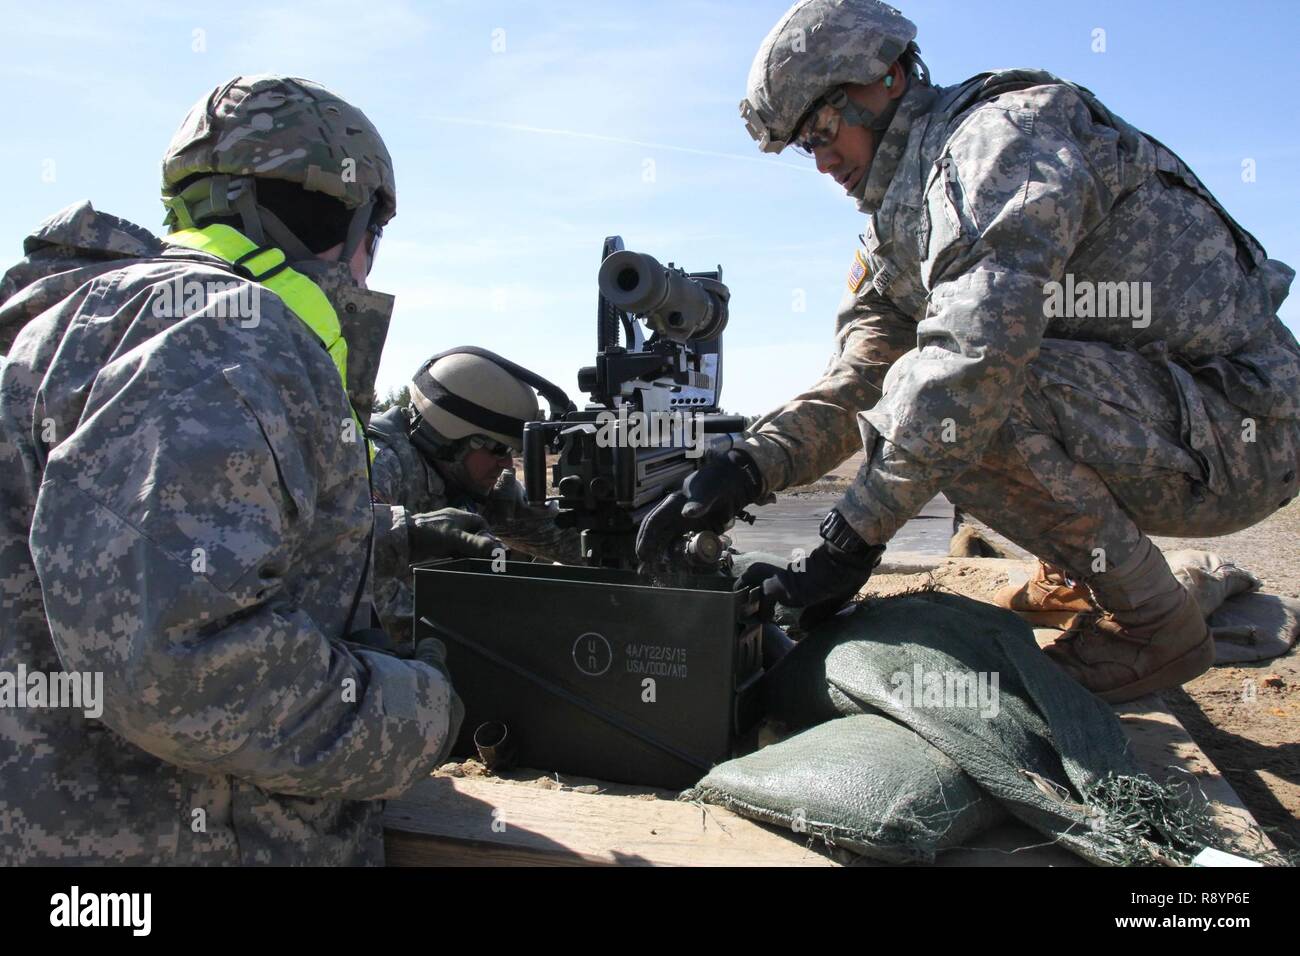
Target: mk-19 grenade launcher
x=600 y=670
x=653 y=414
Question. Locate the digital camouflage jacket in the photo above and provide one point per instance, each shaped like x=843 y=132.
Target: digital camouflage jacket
x=979 y=197
x=184 y=517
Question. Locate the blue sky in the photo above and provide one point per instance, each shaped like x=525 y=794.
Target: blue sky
x=524 y=132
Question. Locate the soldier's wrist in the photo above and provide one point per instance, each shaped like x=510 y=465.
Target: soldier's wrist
x=753 y=477
x=842 y=538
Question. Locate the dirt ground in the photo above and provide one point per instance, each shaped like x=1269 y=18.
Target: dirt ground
x=1253 y=738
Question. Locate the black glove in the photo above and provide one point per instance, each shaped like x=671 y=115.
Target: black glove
x=449 y=533
x=709 y=499
x=831 y=577
x=433 y=652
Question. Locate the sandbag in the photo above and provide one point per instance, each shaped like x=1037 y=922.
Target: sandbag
x=1254 y=627
x=1050 y=753
x=864 y=783
x=1246 y=624
x=1210 y=579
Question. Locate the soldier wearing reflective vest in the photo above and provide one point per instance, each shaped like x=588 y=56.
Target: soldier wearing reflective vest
x=187 y=508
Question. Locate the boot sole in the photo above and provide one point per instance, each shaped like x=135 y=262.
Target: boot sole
x=1177 y=672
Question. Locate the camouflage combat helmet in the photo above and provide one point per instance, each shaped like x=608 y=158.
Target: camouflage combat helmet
x=276 y=127
x=817 y=47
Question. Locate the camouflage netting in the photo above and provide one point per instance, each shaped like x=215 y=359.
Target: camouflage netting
x=1050 y=753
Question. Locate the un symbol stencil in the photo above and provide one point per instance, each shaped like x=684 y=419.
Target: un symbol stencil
x=592 y=654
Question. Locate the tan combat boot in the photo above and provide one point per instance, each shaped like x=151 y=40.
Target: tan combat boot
x=1048 y=599
x=1152 y=637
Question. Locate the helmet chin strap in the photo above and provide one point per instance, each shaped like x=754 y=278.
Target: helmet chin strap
x=357 y=230
x=293 y=248
x=856 y=115
x=859 y=192
x=922 y=69
x=222 y=196
x=444 y=456
x=269 y=225
x=426 y=439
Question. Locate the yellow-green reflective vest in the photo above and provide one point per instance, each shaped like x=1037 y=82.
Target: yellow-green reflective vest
x=267 y=266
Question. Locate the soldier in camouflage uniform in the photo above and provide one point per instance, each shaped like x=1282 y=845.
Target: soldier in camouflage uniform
x=187 y=510
x=452 y=447
x=1050 y=320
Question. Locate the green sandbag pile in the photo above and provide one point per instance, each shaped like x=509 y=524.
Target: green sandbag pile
x=864 y=783
x=1035 y=743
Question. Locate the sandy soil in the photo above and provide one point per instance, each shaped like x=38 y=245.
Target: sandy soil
x=1254 y=739
x=836 y=481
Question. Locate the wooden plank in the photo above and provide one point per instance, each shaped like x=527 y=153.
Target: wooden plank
x=1164 y=748
x=447 y=821
x=485 y=821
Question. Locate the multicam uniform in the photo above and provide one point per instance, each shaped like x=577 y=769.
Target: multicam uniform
x=404 y=483
x=182 y=517
x=1066 y=432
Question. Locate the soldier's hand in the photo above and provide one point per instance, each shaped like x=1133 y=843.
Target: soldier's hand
x=827 y=580
x=709 y=500
x=449 y=533
x=433 y=652
x=505 y=500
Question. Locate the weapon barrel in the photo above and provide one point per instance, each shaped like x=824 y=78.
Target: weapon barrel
x=680 y=306
x=713 y=424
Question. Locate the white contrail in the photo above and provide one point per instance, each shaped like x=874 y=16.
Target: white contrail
x=576 y=134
